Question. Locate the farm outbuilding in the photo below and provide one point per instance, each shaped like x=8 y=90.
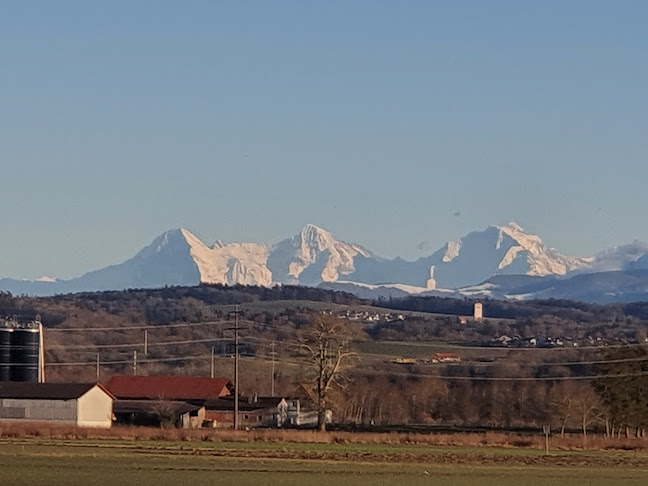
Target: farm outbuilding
x=159 y=400
x=159 y=413
x=253 y=411
x=82 y=404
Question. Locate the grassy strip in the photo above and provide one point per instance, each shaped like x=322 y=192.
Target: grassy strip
x=291 y=438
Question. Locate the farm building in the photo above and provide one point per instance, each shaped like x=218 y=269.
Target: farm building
x=160 y=400
x=191 y=402
x=82 y=404
x=253 y=411
x=159 y=413
x=191 y=389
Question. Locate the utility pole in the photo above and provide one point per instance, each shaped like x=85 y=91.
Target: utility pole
x=236 y=314
x=134 y=363
x=145 y=342
x=236 y=368
x=211 y=369
x=97 y=366
x=41 y=351
x=272 y=382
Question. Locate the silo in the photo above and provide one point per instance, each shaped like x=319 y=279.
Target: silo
x=24 y=354
x=5 y=353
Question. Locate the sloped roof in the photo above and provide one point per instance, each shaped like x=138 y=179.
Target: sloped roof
x=47 y=391
x=168 y=387
x=303 y=393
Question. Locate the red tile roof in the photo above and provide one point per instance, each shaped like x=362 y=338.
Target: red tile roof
x=168 y=387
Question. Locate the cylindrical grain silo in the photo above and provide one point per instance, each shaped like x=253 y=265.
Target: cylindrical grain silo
x=5 y=353
x=24 y=354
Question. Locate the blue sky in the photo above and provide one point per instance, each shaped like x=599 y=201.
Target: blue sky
x=379 y=121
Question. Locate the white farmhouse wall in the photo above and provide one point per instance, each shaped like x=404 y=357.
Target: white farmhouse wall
x=95 y=409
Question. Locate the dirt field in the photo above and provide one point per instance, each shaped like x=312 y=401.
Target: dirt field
x=35 y=461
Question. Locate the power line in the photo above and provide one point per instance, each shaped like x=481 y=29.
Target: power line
x=501 y=378
x=117 y=347
x=135 y=345
x=135 y=328
x=306 y=332
x=163 y=343
x=362 y=370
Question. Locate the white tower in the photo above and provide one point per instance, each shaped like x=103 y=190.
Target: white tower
x=478 y=313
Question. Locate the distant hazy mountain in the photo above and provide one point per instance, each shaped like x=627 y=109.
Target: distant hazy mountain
x=166 y=261
x=601 y=287
x=501 y=261
x=632 y=256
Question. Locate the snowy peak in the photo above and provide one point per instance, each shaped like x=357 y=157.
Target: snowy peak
x=517 y=232
x=314 y=256
x=169 y=242
x=498 y=250
x=311 y=256
x=312 y=240
x=541 y=259
x=518 y=235
x=452 y=250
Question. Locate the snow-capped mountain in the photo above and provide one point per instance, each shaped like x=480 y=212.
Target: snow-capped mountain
x=234 y=263
x=502 y=261
x=178 y=257
x=498 y=250
x=313 y=256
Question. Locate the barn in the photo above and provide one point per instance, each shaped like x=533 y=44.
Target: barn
x=81 y=404
x=156 y=400
x=192 y=389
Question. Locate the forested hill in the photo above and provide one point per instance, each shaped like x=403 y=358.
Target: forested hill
x=154 y=301
x=214 y=295
x=502 y=309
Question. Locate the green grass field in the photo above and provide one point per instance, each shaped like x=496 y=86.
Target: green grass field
x=34 y=462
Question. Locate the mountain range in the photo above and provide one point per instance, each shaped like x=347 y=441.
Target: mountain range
x=500 y=262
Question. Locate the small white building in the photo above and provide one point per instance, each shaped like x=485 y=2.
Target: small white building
x=81 y=404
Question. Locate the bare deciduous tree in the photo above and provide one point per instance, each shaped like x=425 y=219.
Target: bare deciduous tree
x=327 y=341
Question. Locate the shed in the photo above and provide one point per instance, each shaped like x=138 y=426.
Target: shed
x=82 y=404
x=253 y=411
x=159 y=413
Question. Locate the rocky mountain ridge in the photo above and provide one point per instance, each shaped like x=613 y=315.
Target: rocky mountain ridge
x=472 y=265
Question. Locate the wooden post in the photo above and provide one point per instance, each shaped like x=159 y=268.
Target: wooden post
x=211 y=368
x=272 y=387
x=236 y=368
